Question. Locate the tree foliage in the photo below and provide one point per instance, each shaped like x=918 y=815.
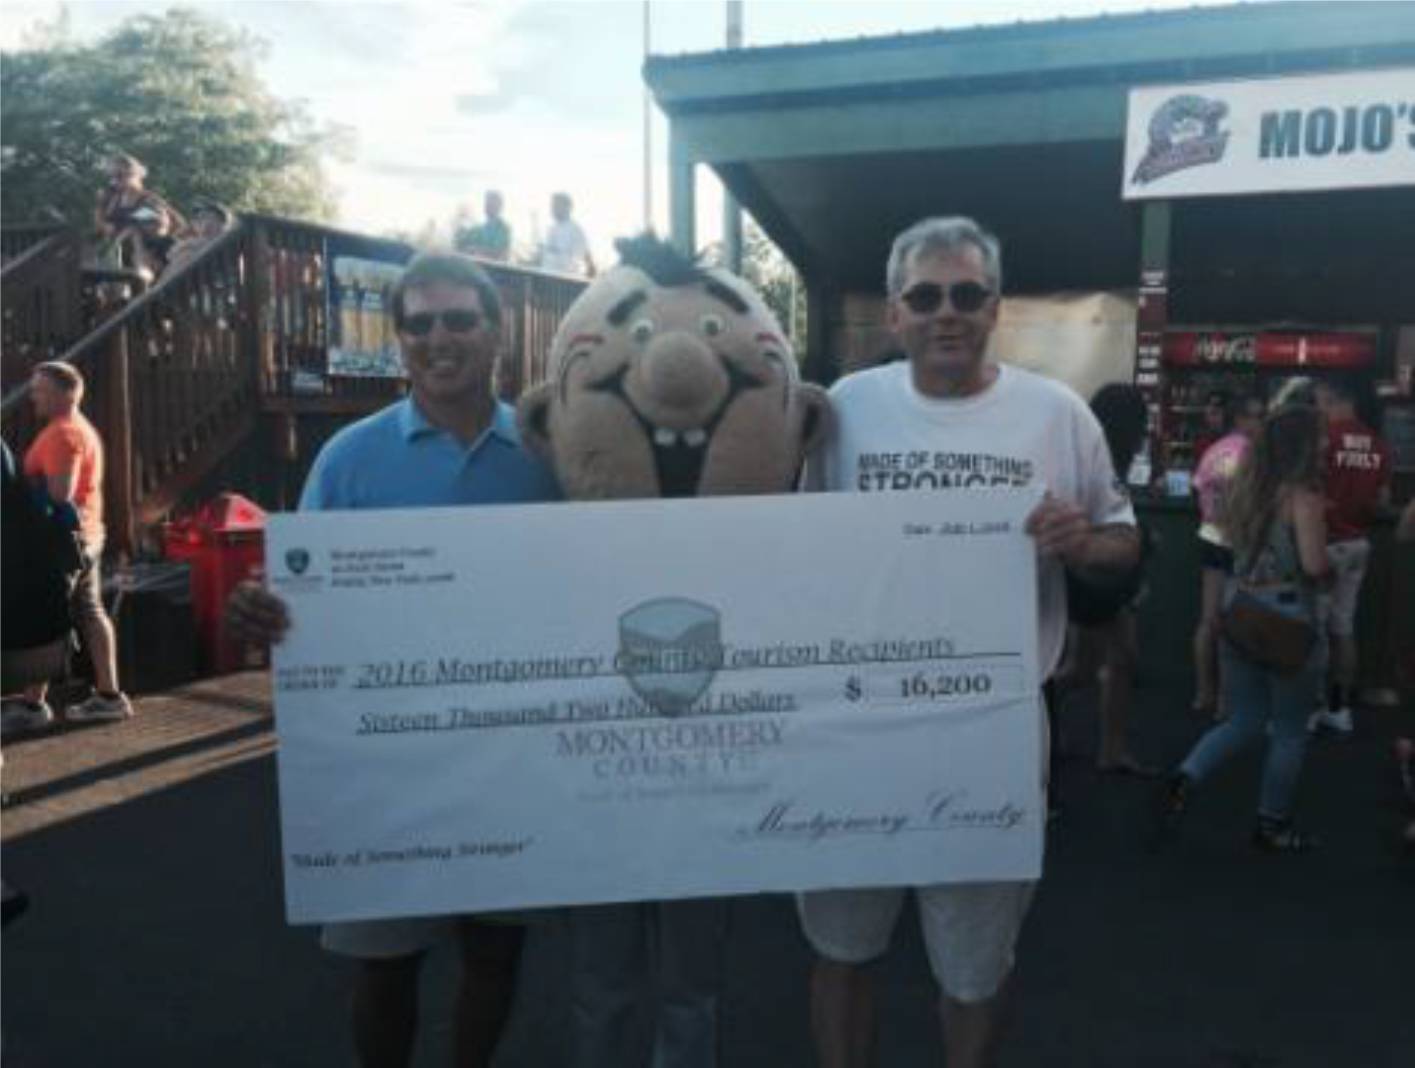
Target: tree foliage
x=774 y=277
x=180 y=92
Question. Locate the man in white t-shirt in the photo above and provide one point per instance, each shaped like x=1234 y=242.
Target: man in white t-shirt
x=565 y=249
x=982 y=425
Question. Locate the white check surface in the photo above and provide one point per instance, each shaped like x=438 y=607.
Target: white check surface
x=500 y=707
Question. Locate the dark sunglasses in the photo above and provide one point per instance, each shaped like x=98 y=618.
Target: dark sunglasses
x=927 y=297
x=454 y=322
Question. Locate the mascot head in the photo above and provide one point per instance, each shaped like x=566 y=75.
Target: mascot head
x=667 y=379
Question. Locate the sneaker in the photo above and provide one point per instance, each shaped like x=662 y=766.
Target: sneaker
x=97 y=708
x=18 y=714
x=1338 y=722
x=1279 y=836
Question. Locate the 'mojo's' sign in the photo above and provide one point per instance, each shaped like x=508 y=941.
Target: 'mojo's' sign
x=1337 y=131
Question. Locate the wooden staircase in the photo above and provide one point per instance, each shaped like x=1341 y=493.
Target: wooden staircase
x=225 y=357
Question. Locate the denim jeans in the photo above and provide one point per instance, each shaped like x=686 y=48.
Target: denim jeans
x=626 y=958
x=1254 y=697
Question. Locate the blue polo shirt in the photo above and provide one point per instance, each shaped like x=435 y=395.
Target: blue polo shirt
x=395 y=458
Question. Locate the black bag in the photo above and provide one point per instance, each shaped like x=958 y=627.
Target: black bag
x=1090 y=604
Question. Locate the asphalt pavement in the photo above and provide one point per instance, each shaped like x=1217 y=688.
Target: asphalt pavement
x=156 y=934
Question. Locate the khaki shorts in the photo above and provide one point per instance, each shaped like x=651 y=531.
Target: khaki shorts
x=1348 y=560
x=970 y=929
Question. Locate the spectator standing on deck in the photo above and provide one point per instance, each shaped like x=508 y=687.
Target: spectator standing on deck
x=491 y=239
x=565 y=250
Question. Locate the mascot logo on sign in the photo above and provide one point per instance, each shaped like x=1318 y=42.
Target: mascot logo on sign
x=669 y=650
x=1184 y=132
x=297 y=560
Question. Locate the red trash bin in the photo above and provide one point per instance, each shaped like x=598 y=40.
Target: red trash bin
x=224 y=541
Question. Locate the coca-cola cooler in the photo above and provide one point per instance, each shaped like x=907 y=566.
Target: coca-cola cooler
x=1198 y=363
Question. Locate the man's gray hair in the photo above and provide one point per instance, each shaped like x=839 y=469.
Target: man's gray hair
x=949 y=233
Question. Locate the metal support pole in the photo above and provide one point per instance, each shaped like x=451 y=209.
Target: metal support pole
x=731 y=210
x=648 y=130
x=682 y=195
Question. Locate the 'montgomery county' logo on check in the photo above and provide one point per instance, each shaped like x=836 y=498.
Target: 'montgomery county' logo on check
x=297 y=560
x=1183 y=133
x=669 y=650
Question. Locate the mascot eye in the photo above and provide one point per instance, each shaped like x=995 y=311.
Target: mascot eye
x=642 y=330
x=712 y=325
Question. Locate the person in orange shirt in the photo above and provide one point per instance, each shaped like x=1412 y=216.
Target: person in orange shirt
x=66 y=459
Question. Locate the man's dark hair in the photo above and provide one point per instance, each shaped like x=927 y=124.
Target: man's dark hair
x=426 y=268
x=1123 y=415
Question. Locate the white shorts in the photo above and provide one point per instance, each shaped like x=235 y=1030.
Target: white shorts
x=1348 y=560
x=385 y=939
x=970 y=929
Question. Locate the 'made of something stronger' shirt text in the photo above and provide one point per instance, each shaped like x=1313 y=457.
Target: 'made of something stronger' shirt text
x=1023 y=430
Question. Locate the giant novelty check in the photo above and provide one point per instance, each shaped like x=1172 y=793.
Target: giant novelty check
x=500 y=707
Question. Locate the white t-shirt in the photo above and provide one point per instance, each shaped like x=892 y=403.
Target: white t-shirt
x=565 y=248
x=1022 y=430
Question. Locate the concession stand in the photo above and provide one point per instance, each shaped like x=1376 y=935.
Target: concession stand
x=1214 y=199
x=1314 y=273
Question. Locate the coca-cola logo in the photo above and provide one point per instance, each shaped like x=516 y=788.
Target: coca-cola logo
x=1219 y=348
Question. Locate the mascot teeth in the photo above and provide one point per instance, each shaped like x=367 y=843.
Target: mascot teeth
x=665 y=437
x=694 y=438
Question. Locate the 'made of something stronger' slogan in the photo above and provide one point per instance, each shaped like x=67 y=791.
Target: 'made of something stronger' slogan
x=922 y=469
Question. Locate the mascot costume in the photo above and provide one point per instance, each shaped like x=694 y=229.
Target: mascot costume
x=665 y=379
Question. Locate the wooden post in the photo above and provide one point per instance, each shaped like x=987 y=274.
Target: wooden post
x=259 y=349
x=119 y=448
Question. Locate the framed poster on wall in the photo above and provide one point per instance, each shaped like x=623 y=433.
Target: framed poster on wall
x=361 y=337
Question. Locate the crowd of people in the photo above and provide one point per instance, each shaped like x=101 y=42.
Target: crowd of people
x=1286 y=497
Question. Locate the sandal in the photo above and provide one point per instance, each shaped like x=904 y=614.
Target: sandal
x=1171 y=806
x=1279 y=836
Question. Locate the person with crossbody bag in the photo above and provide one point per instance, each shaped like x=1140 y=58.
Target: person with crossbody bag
x=1271 y=661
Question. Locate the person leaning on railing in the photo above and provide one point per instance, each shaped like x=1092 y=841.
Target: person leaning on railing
x=135 y=224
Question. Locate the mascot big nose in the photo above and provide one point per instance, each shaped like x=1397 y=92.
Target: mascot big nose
x=678 y=382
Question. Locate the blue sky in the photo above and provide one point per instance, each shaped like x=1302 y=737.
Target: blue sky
x=448 y=99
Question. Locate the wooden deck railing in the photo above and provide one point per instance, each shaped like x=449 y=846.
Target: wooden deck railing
x=16 y=240
x=41 y=315
x=181 y=375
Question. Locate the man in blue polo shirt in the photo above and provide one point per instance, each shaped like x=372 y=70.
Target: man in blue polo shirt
x=449 y=442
